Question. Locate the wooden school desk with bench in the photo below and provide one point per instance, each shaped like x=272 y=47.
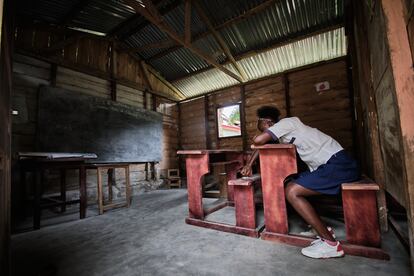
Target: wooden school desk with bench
x=277 y=162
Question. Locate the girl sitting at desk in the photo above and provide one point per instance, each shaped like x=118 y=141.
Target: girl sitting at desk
x=329 y=166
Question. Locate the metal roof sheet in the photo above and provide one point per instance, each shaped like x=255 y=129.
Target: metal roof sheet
x=325 y=46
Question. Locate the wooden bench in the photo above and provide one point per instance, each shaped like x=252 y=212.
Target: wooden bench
x=244 y=201
x=359 y=201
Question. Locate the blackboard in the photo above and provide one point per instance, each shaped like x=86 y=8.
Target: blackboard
x=69 y=121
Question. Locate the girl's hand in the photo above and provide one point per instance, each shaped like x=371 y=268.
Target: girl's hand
x=246 y=170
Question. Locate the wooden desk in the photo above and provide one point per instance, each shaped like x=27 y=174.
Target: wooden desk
x=276 y=163
x=38 y=162
x=197 y=165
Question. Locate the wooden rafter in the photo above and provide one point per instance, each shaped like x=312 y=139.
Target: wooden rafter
x=187 y=21
x=291 y=39
x=149 y=11
x=162 y=11
x=229 y=22
x=220 y=41
x=130 y=21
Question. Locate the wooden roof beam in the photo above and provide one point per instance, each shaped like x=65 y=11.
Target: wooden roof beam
x=220 y=41
x=162 y=11
x=247 y=14
x=149 y=11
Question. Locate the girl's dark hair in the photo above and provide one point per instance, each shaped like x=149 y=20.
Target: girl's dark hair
x=268 y=112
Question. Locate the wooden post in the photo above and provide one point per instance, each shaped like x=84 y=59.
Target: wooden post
x=401 y=65
x=5 y=135
x=368 y=99
x=243 y=118
x=208 y=138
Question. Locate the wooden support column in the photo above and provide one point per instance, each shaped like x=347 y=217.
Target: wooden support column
x=154 y=108
x=208 y=138
x=5 y=135
x=243 y=118
x=368 y=99
x=401 y=65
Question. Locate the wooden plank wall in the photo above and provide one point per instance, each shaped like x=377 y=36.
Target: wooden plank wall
x=264 y=92
x=223 y=98
x=329 y=111
x=192 y=125
x=90 y=55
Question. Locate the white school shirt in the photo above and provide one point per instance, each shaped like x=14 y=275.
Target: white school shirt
x=314 y=147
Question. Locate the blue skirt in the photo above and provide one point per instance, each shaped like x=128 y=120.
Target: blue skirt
x=327 y=178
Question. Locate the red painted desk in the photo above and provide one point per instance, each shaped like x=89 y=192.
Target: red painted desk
x=276 y=163
x=197 y=165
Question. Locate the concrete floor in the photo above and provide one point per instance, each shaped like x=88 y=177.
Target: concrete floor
x=151 y=238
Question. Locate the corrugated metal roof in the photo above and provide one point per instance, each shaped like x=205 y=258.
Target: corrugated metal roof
x=280 y=21
x=314 y=49
x=102 y=16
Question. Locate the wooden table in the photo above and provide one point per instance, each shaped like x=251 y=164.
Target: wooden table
x=276 y=163
x=197 y=165
x=100 y=167
x=38 y=162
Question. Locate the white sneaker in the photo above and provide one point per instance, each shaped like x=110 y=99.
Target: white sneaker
x=320 y=249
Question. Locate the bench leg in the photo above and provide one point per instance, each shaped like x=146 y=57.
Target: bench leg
x=245 y=206
x=361 y=218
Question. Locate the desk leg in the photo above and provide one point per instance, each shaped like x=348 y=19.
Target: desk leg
x=197 y=166
x=37 y=194
x=245 y=206
x=82 y=190
x=63 y=190
x=276 y=165
x=99 y=190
